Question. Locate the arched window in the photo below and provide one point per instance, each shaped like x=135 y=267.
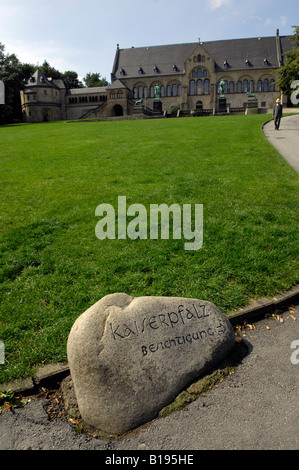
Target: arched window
x=207 y=86
x=266 y=84
x=239 y=87
x=272 y=85
x=145 y=92
x=192 y=87
x=174 y=90
x=259 y=85
x=245 y=86
x=251 y=86
x=140 y=92
x=199 y=87
x=179 y=90
x=162 y=90
x=194 y=74
x=135 y=93
x=168 y=90
x=199 y=73
x=152 y=94
x=204 y=73
x=231 y=87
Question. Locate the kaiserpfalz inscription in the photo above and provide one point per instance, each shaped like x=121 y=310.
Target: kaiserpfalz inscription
x=183 y=316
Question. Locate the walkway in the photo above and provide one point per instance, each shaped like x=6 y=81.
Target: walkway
x=286 y=140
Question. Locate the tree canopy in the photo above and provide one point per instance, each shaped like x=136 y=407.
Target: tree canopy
x=94 y=79
x=290 y=71
x=14 y=74
x=70 y=78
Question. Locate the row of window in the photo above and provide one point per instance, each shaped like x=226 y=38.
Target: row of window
x=199 y=73
x=169 y=90
x=118 y=94
x=248 y=86
x=85 y=99
x=200 y=87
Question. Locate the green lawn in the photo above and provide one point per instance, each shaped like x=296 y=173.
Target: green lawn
x=54 y=175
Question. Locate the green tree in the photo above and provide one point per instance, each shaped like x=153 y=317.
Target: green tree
x=71 y=80
x=94 y=80
x=14 y=74
x=290 y=71
x=50 y=71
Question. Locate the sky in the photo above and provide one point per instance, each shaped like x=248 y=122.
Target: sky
x=83 y=35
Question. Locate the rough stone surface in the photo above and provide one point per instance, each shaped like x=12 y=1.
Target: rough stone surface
x=129 y=357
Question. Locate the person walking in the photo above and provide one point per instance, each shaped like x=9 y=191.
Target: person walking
x=277 y=113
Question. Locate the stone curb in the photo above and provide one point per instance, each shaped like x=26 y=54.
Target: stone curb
x=257 y=309
x=46 y=376
x=52 y=374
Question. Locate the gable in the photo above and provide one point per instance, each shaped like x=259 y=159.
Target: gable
x=199 y=58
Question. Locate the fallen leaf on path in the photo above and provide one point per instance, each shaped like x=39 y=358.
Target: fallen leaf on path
x=73 y=421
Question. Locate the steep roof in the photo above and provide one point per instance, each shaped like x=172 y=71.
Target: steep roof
x=162 y=57
x=116 y=85
x=58 y=83
x=87 y=90
x=170 y=59
x=39 y=79
x=259 y=52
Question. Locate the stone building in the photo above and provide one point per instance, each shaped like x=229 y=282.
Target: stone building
x=188 y=77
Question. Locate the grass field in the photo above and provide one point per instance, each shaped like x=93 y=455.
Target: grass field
x=54 y=175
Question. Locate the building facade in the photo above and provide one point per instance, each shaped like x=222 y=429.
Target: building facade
x=188 y=77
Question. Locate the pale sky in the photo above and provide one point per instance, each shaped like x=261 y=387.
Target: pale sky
x=82 y=35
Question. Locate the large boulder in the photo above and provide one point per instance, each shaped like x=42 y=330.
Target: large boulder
x=129 y=357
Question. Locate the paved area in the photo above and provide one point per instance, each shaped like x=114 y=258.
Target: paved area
x=286 y=139
x=254 y=408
